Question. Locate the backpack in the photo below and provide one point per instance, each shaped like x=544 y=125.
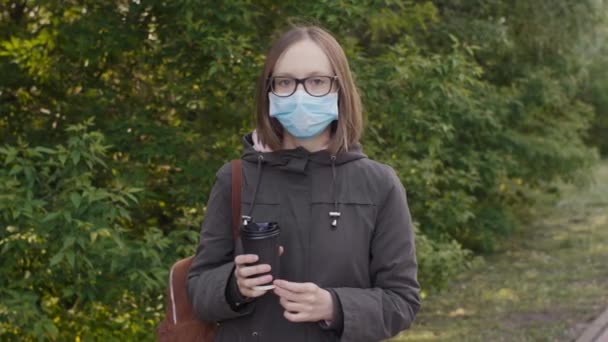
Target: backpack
x=180 y=322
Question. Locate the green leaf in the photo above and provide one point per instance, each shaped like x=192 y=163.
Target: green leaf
x=67 y=216
x=56 y=258
x=71 y=256
x=10 y=157
x=44 y=150
x=15 y=170
x=82 y=242
x=76 y=199
x=67 y=292
x=63 y=158
x=51 y=216
x=75 y=157
x=88 y=262
x=118 y=241
x=68 y=242
x=51 y=329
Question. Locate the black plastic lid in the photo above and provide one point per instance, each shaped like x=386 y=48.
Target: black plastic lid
x=260 y=229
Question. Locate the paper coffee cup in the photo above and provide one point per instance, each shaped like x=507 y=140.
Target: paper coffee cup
x=262 y=239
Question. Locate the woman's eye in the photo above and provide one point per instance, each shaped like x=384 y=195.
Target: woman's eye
x=318 y=81
x=284 y=83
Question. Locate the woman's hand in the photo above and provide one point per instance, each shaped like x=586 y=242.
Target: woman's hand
x=243 y=271
x=304 y=302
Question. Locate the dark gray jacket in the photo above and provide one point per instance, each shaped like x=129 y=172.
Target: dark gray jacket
x=367 y=262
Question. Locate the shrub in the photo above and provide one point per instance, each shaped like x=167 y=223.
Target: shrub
x=71 y=264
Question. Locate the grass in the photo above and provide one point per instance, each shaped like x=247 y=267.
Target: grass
x=548 y=284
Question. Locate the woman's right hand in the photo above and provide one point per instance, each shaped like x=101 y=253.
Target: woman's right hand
x=243 y=271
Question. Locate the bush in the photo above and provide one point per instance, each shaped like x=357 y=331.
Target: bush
x=439 y=262
x=71 y=261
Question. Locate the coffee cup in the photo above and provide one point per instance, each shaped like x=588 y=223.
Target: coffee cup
x=262 y=239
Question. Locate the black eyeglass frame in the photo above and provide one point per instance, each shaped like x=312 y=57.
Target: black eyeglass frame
x=302 y=81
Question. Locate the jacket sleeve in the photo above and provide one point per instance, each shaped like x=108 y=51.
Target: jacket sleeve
x=210 y=274
x=391 y=304
x=337 y=322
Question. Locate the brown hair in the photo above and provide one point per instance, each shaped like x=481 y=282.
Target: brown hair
x=349 y=127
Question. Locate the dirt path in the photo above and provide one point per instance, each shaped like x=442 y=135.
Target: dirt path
x=550 y=284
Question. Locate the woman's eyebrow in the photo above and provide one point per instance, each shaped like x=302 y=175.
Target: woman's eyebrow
x=314 y=73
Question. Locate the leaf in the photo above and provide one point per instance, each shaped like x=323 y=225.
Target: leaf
x=132 y=198
x=56 y=258
x=118 y=241
x=69 y=242
x=124 y=213
x=15 y=170
x=51 y=216
x=11 y=155
x=63 y=158
x=51 y=329
x=76 y=199
x=44 y=150
x=5 y=248
x=88 y=262
x=67 y=216
x=81 y=241
x=71 y=256
x=68 y=292
x=75 y=157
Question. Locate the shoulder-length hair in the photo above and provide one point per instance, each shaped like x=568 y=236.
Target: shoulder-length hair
x=347 y=130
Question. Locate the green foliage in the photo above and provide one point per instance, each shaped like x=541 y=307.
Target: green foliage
x=477 y=125
x=478 y=105
x=596 y=93
x=440 y=261
x=69 y=254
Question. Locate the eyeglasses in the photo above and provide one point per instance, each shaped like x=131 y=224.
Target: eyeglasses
x=314 y=85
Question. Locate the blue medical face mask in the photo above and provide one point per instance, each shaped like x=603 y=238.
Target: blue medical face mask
x=304 y=116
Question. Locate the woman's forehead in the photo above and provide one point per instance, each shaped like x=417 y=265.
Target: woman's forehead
x=303 y=59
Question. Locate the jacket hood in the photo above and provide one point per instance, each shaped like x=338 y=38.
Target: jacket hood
x=298 y=158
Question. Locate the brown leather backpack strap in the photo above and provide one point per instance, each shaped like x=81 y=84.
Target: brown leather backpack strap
x=237 y=172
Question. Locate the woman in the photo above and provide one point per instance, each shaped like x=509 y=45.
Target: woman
x=348 y=264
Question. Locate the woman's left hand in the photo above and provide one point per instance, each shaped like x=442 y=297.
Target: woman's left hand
x=304 y=302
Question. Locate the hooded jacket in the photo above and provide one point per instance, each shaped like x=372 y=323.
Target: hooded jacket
x=365 y=258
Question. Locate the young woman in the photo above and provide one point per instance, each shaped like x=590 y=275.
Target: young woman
x=348 y=264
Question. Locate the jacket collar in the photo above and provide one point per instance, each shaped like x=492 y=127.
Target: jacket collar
x=297 y=159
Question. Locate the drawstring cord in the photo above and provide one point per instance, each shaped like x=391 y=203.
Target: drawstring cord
x=334 y=214
x=247 y=218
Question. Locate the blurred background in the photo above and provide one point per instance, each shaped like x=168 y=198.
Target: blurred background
x=116 y=115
